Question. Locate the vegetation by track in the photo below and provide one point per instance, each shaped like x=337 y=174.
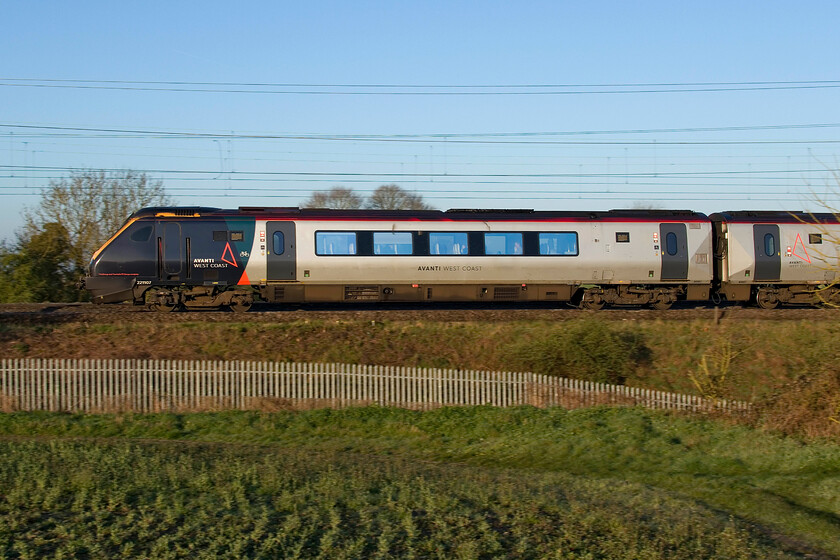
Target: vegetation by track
x=788 y=367
x=468 y=483
x=388 y=483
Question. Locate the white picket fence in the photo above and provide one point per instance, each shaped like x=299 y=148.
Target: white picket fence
x=183 y=386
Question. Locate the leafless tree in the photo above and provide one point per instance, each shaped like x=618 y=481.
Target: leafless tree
x=339 y=198
x=393 y=197
x=91 y=206
x=386 y=197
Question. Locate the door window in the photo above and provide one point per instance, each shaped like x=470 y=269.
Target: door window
x=279 y=243
x=671 y=243
x=769 y=245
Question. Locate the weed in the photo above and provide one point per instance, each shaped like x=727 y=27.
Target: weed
x=714 y=371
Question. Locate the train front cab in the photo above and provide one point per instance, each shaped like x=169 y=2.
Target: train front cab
x=172 y=257
x=127 y=258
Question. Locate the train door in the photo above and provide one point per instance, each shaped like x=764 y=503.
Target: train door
x=281 y=250
x=674 y=250
x=169 y=250
x=768 y=253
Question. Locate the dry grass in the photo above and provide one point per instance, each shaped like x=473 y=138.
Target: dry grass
x=808 y=406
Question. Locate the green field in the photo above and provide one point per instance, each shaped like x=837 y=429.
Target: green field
x=388 y=483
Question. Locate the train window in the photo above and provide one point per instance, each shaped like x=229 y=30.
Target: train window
x=237 y=236
x=815 y=238
x=335 y=243
x=502 y=243
x=448 y=243
x=769 y=245
x=279 y=243
x=219 y=235
x=562 y=243
x=142 y=234
x=392 y=243
x=622 y=237
x=671 y=243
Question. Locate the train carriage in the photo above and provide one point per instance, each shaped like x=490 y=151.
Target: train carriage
x=206 y=257
x=774 y=258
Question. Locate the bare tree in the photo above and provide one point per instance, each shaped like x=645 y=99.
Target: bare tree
x=393 y=197
x=91 y=206
x=339 y=198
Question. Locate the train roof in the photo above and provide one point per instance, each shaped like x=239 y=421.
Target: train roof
x=455 y=214
x=775 y=217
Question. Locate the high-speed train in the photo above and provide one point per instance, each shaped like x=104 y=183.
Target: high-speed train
x=194 y=257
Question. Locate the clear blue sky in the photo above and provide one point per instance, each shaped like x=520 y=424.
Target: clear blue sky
x=521 y=147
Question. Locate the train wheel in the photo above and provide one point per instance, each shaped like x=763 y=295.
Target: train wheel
x=162 y=301
x=662 y=302
x=766 y=299
x=592 y=300
x=240 y=306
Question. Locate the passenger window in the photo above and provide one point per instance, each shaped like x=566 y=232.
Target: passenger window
x=448 y=243
x=141 y=235
x=335 y=243
x=622 y=237
x=279 y=243
x=237 y=236
x=564 y=243
x=769 y=245
x=502 y=243
x=671 y=243
x=392 y=243
x=815 y=238
x=219 y=235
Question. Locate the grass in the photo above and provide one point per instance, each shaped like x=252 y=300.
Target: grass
x=449 y=483
x=788 y=368
x=378 y=482
x=209 y=501
x=659 y=353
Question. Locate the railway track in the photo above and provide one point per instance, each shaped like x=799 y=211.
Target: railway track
x=46 y=313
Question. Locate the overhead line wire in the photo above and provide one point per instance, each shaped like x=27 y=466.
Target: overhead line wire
x=432 y=174
x=421 y=90
x=442 y=135
x=294 y=84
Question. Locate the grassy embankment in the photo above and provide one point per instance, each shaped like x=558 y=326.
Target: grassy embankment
x=388 y=483
x=791 y=369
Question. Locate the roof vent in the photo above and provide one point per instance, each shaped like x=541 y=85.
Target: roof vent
x=492 y=210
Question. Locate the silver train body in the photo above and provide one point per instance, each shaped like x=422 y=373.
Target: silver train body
x=205 y=257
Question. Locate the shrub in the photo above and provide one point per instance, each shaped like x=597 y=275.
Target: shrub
x=588 y=349
x=808 y=406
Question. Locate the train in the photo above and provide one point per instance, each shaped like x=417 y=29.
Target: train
x=171 y=258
